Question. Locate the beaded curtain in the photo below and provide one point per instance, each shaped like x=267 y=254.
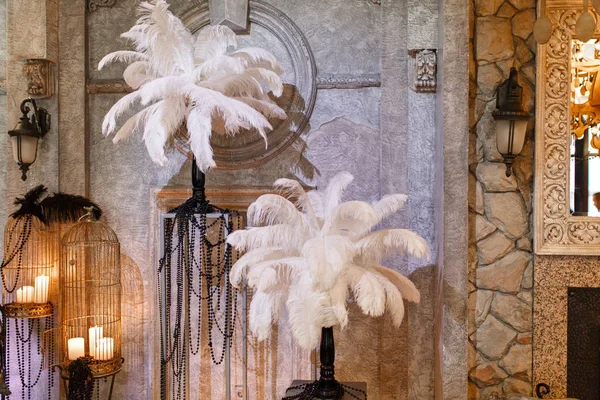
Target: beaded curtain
x=197 y=305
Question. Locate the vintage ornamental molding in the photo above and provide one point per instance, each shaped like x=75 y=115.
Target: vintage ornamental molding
x=103 y=86
x=348 y=81
x=2 y=87
x=40 y=78
x=94 y=4
x=423 y=70
x=556 y=230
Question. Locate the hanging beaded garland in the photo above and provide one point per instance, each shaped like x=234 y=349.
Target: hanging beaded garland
x=194 y=291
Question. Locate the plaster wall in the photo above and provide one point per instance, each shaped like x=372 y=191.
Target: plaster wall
x=385 y=136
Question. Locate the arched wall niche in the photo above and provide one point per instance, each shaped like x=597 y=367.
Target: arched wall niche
x=269 y=28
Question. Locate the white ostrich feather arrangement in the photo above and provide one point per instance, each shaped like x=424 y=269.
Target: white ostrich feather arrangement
x=182 y=82
x=308 y=251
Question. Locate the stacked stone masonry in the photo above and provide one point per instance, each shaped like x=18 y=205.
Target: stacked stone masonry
x=500 y=229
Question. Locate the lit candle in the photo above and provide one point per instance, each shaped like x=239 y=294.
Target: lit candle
x=105 y=348
x=20 y=296
x=76 y=348
x=95 y=333
x=27 y=295
x=41 y=289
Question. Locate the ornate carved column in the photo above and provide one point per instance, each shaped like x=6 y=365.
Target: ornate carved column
x=72 y=96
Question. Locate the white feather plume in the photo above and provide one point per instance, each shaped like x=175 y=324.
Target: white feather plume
x=389 y=204
x=267 y=236
x=377 y=245
x=393 y=301
x=256 y=57
x=124 y=56
x=270 y=209
x=199 y=128
x=261 y=315
x=335 y=190
x=161 y=125
x=213 y=41
x=135 y=74
x=169 y=63
x=405 y=286
x=313 y=250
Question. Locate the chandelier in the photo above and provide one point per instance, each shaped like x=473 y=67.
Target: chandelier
x=585 y=93
x=584 y=28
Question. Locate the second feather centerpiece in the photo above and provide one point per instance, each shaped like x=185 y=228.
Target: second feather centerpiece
x=190 y=87
x=308 y=251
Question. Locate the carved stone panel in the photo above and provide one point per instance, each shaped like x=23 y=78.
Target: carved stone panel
x=40 y=78
x=423 y=70
x=556 y=230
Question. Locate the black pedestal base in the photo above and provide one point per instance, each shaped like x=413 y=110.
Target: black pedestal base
x=305 y=390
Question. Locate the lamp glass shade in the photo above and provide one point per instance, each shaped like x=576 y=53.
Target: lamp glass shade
x=510 y=136
x=24 y=148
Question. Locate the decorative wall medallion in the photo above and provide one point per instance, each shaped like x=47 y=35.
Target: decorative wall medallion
x=423 y=70
x=94 y=4
x=271 y=29
x=556 y=230
x=348 y=81
x=108 y=86
x=40 y=77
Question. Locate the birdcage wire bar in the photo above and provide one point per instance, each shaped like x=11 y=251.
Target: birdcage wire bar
x=91 y=298
x=29 y=269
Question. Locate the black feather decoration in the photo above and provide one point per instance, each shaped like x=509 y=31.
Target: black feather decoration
x=62 y=207
x=29 y=204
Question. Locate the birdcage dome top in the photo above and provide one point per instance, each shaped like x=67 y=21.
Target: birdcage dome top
x=90 y=231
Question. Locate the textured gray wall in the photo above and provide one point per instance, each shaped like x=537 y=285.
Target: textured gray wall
x=385 y=136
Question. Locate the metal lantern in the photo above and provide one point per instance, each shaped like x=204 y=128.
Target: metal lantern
x=90 y=281
x=29 y=268
x=511 y=120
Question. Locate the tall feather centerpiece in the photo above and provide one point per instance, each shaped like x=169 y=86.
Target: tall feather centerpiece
x=309 y=252
x=190 y=87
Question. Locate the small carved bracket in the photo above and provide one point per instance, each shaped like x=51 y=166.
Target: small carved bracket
x=94 y=4
x=108 y=86
x=423 y=70
x=40 y=77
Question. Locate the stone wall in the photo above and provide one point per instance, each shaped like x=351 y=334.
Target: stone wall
x=500 y=229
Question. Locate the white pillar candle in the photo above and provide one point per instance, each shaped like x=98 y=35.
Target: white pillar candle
x=41 y=289
x=105 y=349
x=20 y=296
x=76 y=348
x=95 y=333
x=28 y=294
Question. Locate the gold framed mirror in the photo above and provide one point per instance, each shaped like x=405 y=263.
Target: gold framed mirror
x=567 y=163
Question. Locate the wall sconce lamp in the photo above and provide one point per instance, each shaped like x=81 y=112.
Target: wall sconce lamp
x=24 y=138
x=511 y=119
